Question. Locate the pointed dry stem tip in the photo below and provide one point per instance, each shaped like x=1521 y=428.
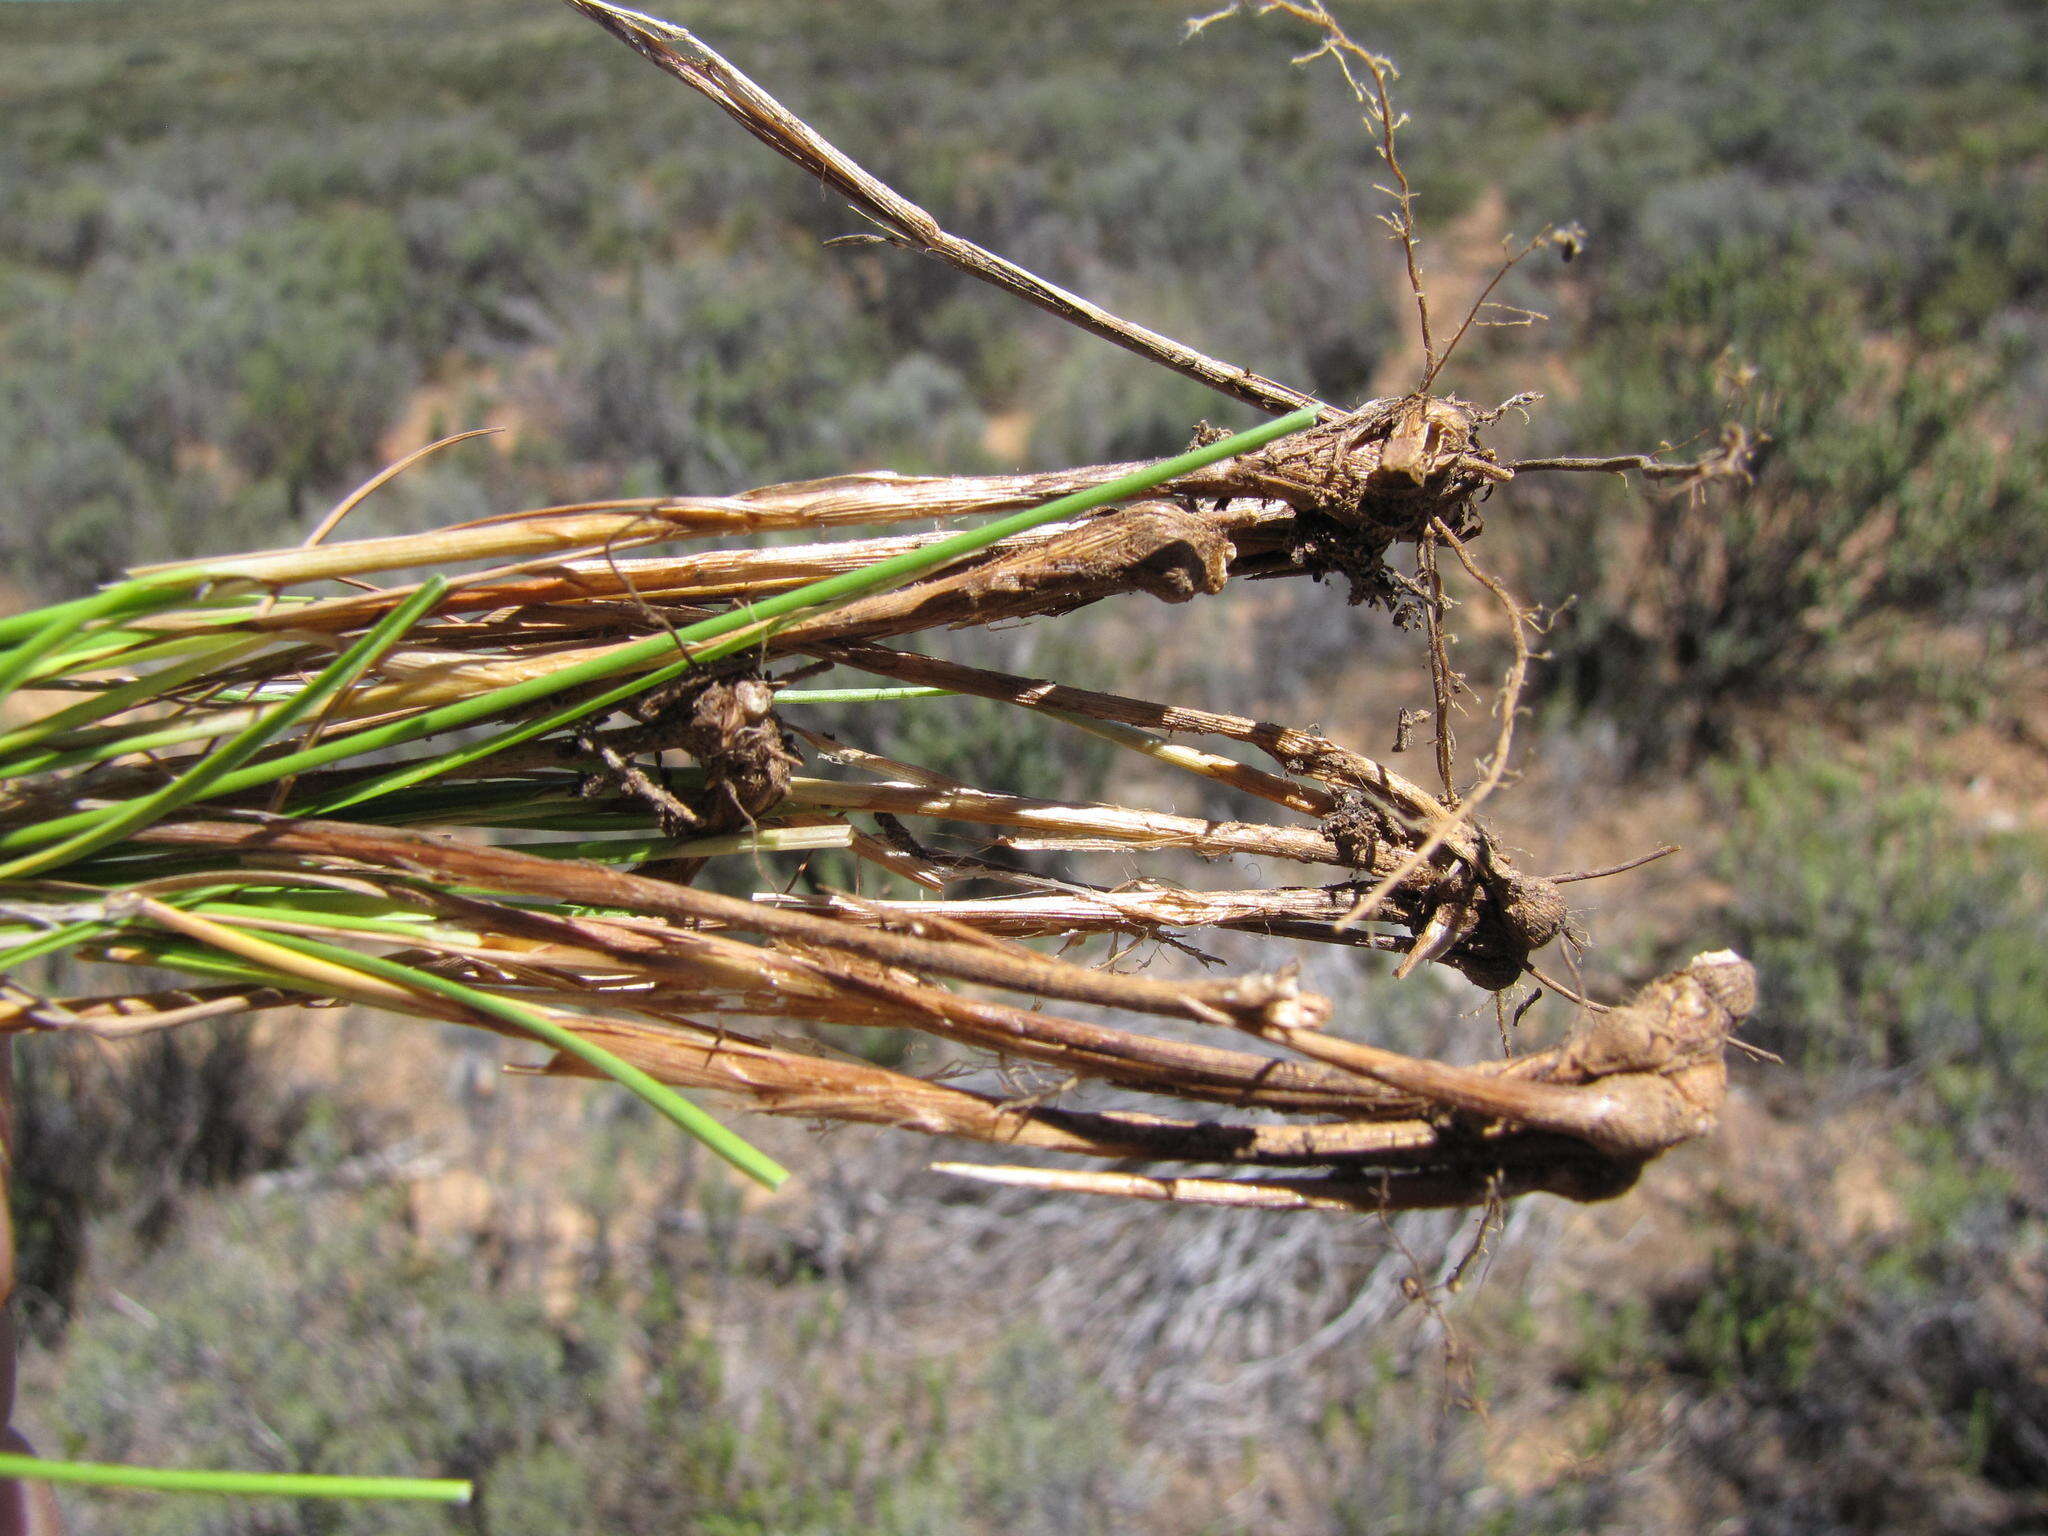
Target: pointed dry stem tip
x=1276 y=1195
x=903 y=222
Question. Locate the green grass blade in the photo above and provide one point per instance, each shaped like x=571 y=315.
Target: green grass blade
x=97 y=745
x=197 y=960
x=60 y=623
x=52 y=941
x=416 y=926
x=264 y=1485
x=63 y=620
x=118 y=821
x=742 y=1154
x=671 y=1105
x=112 y=645
x=127 y=695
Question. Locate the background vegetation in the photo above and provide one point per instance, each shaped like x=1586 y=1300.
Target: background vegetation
x=249 y=252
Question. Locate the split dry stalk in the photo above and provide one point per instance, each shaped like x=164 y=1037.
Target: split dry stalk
x=903 y=222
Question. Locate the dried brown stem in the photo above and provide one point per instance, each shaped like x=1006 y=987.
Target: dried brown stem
x=786 y=1082
x=1650 y=1072
x=1302 y=911
x=122 y=1015
x=507 y=870
x=1442 y=681
x=1072 y=824
x=1638 y=1080
x=1296 y=751
x=903 y=222
x=1377 y=1194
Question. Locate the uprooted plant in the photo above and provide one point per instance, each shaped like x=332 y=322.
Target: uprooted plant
x=485 y=795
